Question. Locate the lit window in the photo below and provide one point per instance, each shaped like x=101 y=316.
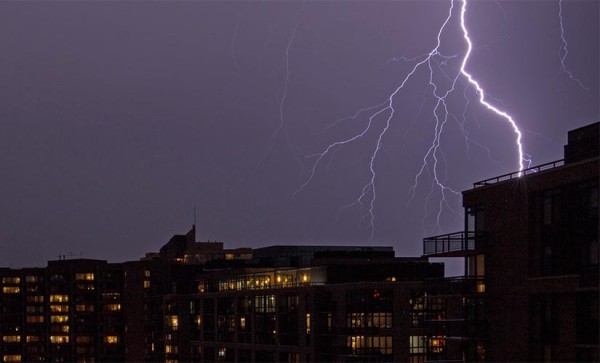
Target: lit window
x=146 y=284
x=11 y=280
x=32 y=338
x=171 y=349
x=33 y=319
x=12 y=358
x=111 y=339
x=172 y=322
x=63 y=328
x=307 y=323
x=11 y=339
x=59 y=339
x=146 y=273
x=222 y=352
x=85 y=276
x=242 y=322
x=480 y=287
x=198 y=320
x=417 y=345
x=59 y=298
x=59 y=318
x=305 y=278
x=437 y=345
x=59 y=308
x=112 y=307
x=11 y=290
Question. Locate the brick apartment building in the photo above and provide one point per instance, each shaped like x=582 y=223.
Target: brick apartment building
x=530 y=245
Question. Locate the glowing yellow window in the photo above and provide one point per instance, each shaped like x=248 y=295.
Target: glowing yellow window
x=111 y=339
x=85 y=276
x=32 y=278
x=11 y=339
x=112 y=307
x=59 y=339
x=11 y=290
x=146 y=284
x=307 y=323
x=12 y=358
x=172 y=322
x=59 y=318
x=59 y=308
x=59 y=298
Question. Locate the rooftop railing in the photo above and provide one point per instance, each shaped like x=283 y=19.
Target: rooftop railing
x=453 y=242
x=518 y=174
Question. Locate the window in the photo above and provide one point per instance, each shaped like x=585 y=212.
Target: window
x=32 y=338
x=111 y=339
x=417 y=349
x=59 y=298
x=551 y=207
x=146 y=284
x=369 y=345
x=171 y=349
x=32 y=279
x=475 y=219
x=437 y=345
x=59 y=308
x=59 y=339
x=12 y=358
x=82 y=339
x=84 y=308
x=11 y=339
x=11 y=290
x=34 y=319
x=11 y=280
x=59 y=318
x=264 y=303
x=307 y=323
x=85 y=276
x=35 y=299
x=172 y=322
x=112 y=307
x=146 y=273
x=369 y=320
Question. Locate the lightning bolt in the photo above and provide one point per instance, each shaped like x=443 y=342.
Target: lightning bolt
x=564 y=50
x=381 y=116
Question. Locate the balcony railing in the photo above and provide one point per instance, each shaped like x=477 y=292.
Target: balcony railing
x=464 y=285
x=518 y=174
x=458 y=243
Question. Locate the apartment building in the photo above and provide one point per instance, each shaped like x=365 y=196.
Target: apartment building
x=530 y=246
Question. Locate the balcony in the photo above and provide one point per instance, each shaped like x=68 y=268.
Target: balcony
x=463 y=286
x=458 y=244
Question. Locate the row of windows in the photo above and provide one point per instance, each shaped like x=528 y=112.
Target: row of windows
x=369 y=320
x=365 y=345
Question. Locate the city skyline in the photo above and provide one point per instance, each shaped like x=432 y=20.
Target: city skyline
x=120 y=119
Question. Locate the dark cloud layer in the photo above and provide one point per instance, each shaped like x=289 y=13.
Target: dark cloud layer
x=116 y=118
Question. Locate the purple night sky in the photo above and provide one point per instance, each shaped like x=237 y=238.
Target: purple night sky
x=118 y=117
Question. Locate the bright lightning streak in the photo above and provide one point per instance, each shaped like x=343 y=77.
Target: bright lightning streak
x=564 y=51
x=481 y=93
x=385 y=111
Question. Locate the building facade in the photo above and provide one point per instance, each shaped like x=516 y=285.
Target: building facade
x=530 y=245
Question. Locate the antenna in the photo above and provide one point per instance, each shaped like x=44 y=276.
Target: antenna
x=194 y=215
